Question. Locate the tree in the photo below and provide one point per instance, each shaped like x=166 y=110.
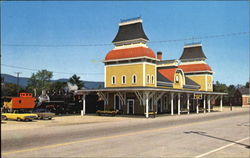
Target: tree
x=231 y=90
x=247 y=85
x=76 y=80
x=57 y=86
x=219 y=87
x=10 y=89
x=40 y=81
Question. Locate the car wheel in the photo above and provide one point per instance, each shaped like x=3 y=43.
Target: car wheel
x=26 y=120
x=50 y=118
x=5 y=118
x=18 y=119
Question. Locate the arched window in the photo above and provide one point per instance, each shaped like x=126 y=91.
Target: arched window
x=113 y=80
x=134 y=79
x=123 y=79
x=148 y=79
x=153 y=80
x=177 y=78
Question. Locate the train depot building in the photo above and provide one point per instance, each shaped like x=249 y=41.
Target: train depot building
x=138 y=81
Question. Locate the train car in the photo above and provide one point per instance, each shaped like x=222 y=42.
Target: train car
x=25 y=101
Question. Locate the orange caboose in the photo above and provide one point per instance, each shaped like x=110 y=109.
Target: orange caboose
x=24 y=101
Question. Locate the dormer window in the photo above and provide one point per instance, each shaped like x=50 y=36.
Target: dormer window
x=113 y=79
x=123 y=79
x=177 y=79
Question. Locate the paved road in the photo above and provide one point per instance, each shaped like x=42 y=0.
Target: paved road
x=219 y=134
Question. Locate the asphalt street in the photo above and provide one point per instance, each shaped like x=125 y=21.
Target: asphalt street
x=217 y=134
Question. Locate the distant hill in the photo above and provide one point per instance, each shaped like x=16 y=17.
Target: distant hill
x=23 y=81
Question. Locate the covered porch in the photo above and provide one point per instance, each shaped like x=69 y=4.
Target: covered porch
x=146 y=101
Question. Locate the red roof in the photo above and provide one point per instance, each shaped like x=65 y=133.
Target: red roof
x=195 y=67
x=129 y=53
x=168 y=73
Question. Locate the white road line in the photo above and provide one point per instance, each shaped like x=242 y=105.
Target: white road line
x=220 y=148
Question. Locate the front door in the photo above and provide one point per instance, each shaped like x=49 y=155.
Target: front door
x=130 y=106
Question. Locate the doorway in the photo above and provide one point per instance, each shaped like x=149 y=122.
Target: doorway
x=130 y=106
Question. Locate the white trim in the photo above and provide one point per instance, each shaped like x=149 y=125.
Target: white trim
x=128 y=41
x=112 y=79
x=140 y=57
x=198 y=71
x=193 y=45
x=135 y=63
x=128 y=105
x=206 y=82
x=105 y=84
x=130 y=22
x=246 y=95
x=153 y=79
x=122 y=79
x=131 y=46
x=196 y=74
x=144 y=74
x=193 y=62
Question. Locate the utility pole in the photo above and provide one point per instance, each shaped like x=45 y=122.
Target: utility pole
x=17 y=73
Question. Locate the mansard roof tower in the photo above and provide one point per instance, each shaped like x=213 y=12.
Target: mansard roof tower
x=130 y=63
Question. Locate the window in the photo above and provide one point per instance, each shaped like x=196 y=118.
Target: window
x=248 y=100
x=153 y=81
x=113 y=80
x=123 y=79
x=134 y=79
x=148 y=79
x=177 y=79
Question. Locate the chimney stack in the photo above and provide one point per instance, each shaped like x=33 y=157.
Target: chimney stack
x=159 y=55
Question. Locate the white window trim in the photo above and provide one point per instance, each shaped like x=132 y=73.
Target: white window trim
x=124 y=80
x=114 y=79
x=134 y=75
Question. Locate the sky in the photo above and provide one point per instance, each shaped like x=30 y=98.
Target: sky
x=74 y=37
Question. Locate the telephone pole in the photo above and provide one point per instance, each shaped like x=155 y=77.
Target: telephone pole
x=17 y=73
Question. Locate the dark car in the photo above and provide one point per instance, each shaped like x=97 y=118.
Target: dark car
x=44 y=114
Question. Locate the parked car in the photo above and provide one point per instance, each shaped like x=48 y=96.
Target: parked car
x=15 y=115
x=44 y=114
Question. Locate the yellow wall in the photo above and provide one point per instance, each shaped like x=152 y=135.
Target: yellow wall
x=203 y=81
x=210 y=83
x=129 y=70
x=151 y=71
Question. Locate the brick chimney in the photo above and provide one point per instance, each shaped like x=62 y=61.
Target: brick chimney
x=159 y=55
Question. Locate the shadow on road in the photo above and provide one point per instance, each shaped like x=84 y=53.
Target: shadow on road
x=210 y=136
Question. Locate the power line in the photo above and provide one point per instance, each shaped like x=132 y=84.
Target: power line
x=106 y=44
x=70 y=73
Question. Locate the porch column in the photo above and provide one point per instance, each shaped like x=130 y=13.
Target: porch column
x=208 y=103
x=188 y=103
x=221 y=103
x=204 y=104
x=172 y=103
x=83 y=105
x=197 y=106
x=161 y=103
x=179 y=104
x=146 y=94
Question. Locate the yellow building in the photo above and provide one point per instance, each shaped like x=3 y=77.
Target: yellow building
x=138 y=81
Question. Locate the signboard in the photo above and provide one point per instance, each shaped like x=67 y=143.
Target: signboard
x=197 y=96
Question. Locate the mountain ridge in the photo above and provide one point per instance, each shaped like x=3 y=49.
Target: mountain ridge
x=23 y=81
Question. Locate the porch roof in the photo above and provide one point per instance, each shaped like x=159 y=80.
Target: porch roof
x=132 y=89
